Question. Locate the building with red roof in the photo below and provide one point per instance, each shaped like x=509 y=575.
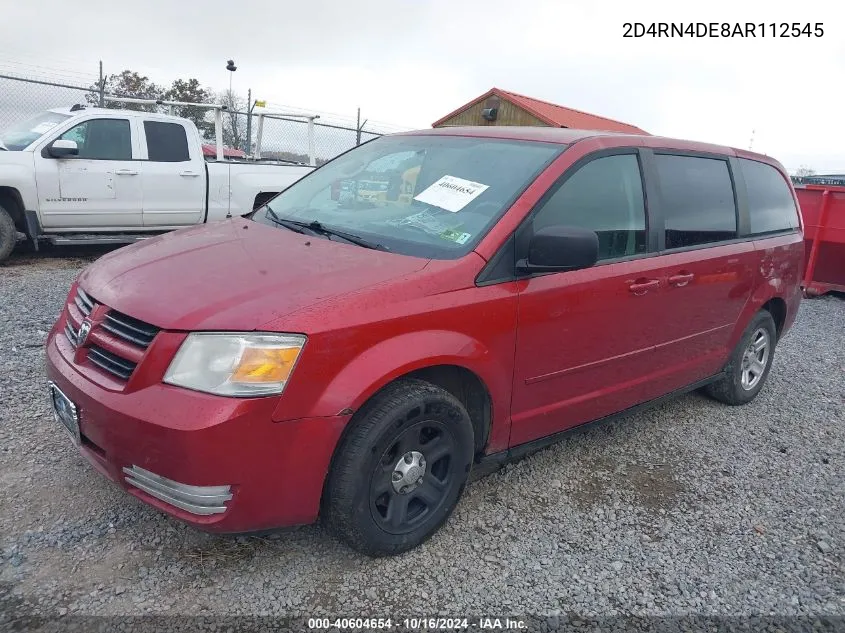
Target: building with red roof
x=501 y=107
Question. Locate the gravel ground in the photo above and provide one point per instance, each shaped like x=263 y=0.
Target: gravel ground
x=691 y=508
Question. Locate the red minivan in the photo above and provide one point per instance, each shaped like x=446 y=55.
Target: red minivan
x=426 y=304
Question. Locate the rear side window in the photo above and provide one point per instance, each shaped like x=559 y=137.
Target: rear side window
x=770 y=202
x=698 y=200
x=605 y=195
x=166 y=142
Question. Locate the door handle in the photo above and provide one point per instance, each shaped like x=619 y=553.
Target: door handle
x=681 y=279
x=126 y=172
x=642 y=286
x=188 y=174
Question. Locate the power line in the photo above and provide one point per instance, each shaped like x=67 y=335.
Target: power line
x=55 y=63
x=46 y=69
x=25 y=73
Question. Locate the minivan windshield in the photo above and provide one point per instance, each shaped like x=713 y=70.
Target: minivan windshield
x=21 y=135
x=424 y=195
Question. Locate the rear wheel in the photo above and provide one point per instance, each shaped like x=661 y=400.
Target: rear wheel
x=749 y=364
x=8 y=234
x=400 y=470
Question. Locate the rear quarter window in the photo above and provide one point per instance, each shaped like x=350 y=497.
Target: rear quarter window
x=770 y=202
x=166 y=142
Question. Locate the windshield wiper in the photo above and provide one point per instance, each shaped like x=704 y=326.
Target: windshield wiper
x=288 y=224
x=319 y=227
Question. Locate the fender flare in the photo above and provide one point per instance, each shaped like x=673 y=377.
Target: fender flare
x=773 y=289
x=392 y=358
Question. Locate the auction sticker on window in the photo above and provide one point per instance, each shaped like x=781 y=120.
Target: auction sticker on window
x=451 y=193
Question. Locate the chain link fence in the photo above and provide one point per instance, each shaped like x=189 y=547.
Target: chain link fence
x=286 y=138
x=283 y=137
x=21 y=99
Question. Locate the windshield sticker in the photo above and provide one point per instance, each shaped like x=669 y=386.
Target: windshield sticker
x=423 y=220
x=456 y=236
x=43 y=128
x=451 y=193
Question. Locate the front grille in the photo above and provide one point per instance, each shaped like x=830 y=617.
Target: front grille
x=83 y=302
x=112 y=363
x=129 y=329
x=70 y=333
x=116 y=344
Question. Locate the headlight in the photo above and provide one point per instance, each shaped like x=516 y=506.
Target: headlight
x=235 y=364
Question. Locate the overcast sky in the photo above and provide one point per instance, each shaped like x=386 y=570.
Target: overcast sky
x=410 y=62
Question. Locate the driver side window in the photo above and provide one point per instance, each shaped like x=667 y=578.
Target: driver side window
x=102 y=139
x=606 y=196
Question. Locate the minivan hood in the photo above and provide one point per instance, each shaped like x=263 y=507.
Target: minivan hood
x=234 y=275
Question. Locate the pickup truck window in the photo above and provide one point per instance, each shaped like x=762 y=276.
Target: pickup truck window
x=166 y=142
x=102 y=139
x=428 y=196
x=22 y=135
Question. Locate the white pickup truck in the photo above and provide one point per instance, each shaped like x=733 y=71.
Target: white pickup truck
x=86 y=175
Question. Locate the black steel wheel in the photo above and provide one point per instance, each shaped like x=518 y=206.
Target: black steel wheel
x=400 y=470
x=413 y=477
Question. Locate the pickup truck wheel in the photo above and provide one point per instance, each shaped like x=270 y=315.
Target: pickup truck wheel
x=749 y=364
x=8 y=234
x=400 y=469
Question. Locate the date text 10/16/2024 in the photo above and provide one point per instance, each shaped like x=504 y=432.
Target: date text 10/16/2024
x=422 y=623
x=723 y=29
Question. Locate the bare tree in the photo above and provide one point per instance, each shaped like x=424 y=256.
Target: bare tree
x=234 y=125
x=803 y=170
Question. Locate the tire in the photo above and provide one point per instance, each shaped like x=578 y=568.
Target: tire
x=740 y=383
x=8 y=234
x=400 y=469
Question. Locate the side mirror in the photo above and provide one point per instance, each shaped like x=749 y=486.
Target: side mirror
x=62 y=148
x=559 y=248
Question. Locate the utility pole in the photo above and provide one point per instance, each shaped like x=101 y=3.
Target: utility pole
x=102 y=86
x=248 y=148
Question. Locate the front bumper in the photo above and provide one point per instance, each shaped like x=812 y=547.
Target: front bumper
x=272 y=471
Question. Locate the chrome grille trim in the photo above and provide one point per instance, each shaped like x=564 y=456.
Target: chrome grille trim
x=111 y=363
x=70 y=333
x=129 y=329
x=202 y=500
x=83 y=302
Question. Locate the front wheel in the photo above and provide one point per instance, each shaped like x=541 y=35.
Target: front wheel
x=8 y=234
x=749 y=364
x=400 y=470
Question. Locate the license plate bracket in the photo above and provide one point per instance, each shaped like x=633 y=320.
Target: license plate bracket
x=65 y=412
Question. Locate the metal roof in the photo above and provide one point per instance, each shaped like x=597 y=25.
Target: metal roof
x=552 y=114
